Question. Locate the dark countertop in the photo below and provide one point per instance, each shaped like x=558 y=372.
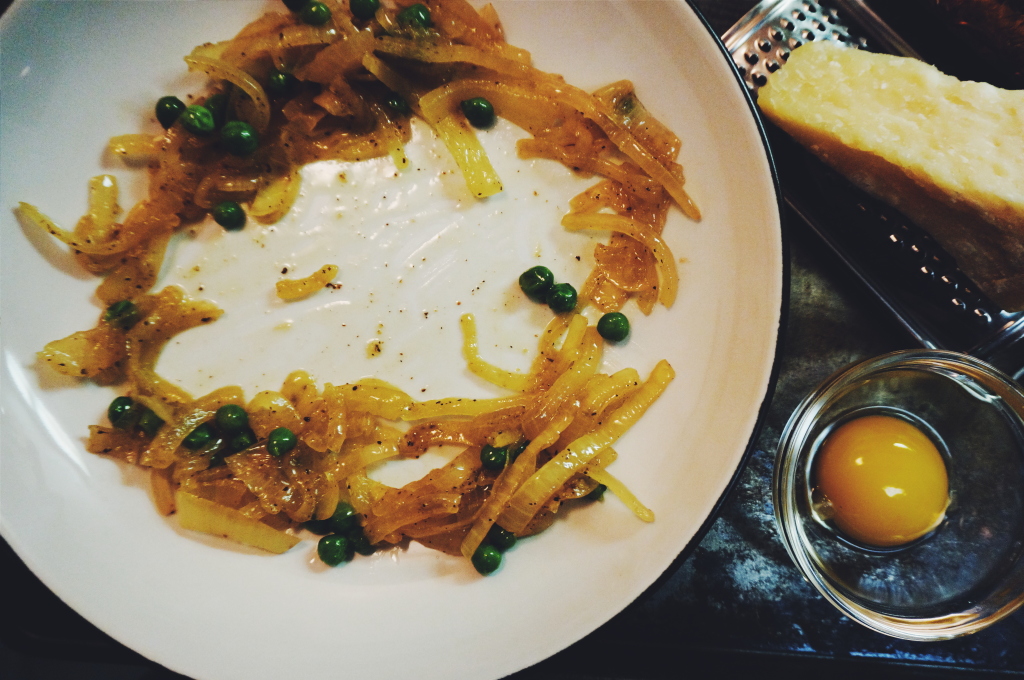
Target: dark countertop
x=735 y=604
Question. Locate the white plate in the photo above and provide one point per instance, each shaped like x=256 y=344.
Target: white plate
x=75 y=73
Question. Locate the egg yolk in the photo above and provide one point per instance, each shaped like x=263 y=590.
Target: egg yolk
x=884 y=479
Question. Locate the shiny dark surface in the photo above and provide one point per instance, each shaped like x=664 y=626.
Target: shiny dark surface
x=736 y=606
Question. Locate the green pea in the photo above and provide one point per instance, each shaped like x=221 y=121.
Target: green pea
x=280 y=441
x=123 y=314
x=315 y=13
x=597 y=493
x=168 y=109
x=561 y=298
x=242 y=440
x=231 y=419
x=150 y=422
x=360 y=543
x=500 y=538
x=344 y=518
x=124 y=413
x=198 y=120
x=398 y=104
x=334 y=549
x=536 y=282
x=281 y=83
x=229 y=215
x=479 y=112
x=295 y=5
x=218 y=105
x=364 y=9
x=321 y=527
x=415 y=16
x=199 y=437
x=239 y=138
x=493 y=457
x=613 y=326
x=486 y=559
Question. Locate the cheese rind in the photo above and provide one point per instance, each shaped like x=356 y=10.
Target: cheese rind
x=948 y=154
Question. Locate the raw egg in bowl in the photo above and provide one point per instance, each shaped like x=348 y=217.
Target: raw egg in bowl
x=899 y=493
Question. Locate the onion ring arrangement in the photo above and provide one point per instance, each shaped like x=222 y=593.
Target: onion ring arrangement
x=342 y=81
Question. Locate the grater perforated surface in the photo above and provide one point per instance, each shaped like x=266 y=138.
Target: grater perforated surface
x=906 y=269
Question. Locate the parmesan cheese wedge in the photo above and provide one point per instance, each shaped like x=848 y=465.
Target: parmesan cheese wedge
x=948 y=154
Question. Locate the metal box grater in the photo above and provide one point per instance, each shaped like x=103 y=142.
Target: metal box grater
x=899 y=262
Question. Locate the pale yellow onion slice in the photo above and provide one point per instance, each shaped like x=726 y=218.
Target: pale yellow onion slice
x=481 y=178
x=542 y=485
x=296 y=289
x=665 y=264
x=84 y=244
x=275 y=198
x=461 y=407
x=134 y=148
x=624 y=140
x=510 y=480
x=565 y=388
x=172 y=312
x=259 y=116
x=199 y=514
x=515 y=382
x=377 y=397
x=160 y=452
x=447 y=54
x=628 y=498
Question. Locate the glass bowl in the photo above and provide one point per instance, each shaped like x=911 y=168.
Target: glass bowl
x=968 y=572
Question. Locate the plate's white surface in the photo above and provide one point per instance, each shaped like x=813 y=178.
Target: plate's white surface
x=410 y=248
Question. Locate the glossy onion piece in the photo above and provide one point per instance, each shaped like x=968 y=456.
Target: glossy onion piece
x=90 y=245
x=95 y=353
x=259 y=116
x=199 y=514
x=456 y=407
x=134 y=148
x=601 y=392
x=275 y=197
x=327 y=428
x=435 y=495
x=537 y=490
x=620 y=102
x=101 y=217
x=564 y=390
x=481 y=177
x=296 y=289
x=268 y=478
x=378 y=398
x=269 y=410
x=515 y=382
x=214 y=189
x=629 y=499
x=627 y=144
x=514 y=476
x=664 y=260
x=161 y=451
x=517 y=102
x=162 y=486
x=137 y=272
x=167 y=313
x=448 y=54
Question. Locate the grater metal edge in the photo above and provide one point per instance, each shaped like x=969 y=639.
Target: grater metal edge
x=922 y=287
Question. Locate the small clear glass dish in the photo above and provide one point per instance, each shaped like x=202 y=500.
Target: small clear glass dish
x=968 y=572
